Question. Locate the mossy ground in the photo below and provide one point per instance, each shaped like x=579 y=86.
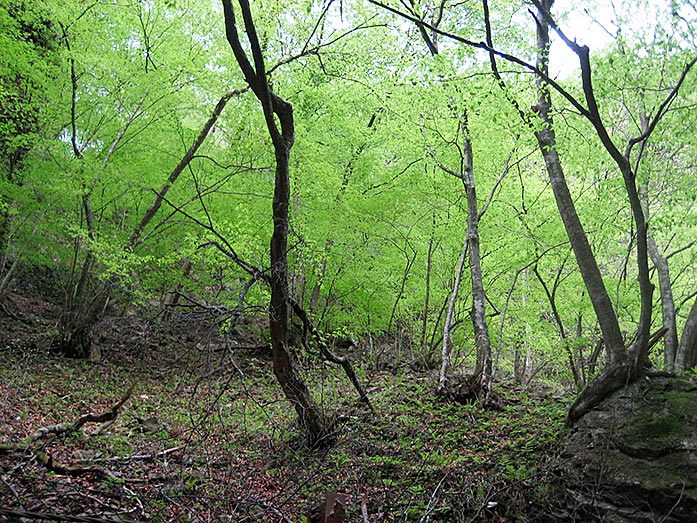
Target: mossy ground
x=225 y=446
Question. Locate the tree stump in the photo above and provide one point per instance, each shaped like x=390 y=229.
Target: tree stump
x=331 y=511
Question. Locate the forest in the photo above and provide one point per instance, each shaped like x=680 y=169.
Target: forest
x=348 y=261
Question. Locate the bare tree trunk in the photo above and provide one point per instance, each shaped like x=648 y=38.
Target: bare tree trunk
x=670 y=340
x=618 y=369
x=574 y=229
x=483 y=368
x=283 y=365
x=311 y=420
x=551 y=298
x=522 y=369
x=183 y=163
x=317 y=288
x=405 y=276
x=427 y=297
x=447 y=327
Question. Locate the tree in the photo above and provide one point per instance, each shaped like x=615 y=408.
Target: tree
x=105 y=113
x=28 y=73
x=311 y=420
x=483 y=370
x=624 y=364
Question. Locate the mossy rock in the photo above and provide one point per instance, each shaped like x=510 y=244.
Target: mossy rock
x=634 y=457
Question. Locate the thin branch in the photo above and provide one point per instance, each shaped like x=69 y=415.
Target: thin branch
x=481 y=45
x=499 y=180
x=183 y=163
x=131 y=118
x=662 y=109
x=685 y=248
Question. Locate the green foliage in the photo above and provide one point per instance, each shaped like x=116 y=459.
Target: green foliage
x=130 y=85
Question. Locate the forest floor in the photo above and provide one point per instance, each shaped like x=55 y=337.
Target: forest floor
x=207 y=436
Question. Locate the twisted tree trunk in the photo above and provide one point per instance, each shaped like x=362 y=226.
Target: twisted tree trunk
x=316 y=428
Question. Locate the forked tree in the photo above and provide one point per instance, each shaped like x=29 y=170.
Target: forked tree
x=278 y=114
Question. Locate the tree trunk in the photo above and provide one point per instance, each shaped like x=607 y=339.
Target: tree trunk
x=551 y=298
x=427 y=297
x=574 y=229
x=686 y=357
x=283 y=365
x=585 y=259
x=316 y=428
x=317 y=288
x=483 y=371
x=670 y=340
x=405 y=277
x=447 y=327
x=618 y=370
x=483 y=368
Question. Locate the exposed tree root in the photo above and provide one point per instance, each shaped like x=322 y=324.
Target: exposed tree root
x=610 y=380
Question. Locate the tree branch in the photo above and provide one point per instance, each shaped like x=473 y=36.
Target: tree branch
x=481 y=45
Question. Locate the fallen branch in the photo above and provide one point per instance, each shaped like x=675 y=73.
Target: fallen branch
x=46 y=459
x=142 y=457
x=63 y=428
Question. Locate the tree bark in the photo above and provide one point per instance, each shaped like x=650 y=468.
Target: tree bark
x=618 y=370
x=183 y=163
x=427 y=296
x=585 y=258
x=483 y=368
x=316 y=428
x=447 y=327
x=670 y=340
x=686 y=357
x=639 y=350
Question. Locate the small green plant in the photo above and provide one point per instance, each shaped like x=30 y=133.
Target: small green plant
x=114 y=482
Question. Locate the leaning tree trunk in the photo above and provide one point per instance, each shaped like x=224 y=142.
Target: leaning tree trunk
x=626 y=369
x=311 y=420
x=670 y=340
x=585 y=258
x=665 y=285
x=483 y=370
x=618 y=369
x=448 y=324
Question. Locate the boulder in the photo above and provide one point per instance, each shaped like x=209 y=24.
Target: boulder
x=633 y=458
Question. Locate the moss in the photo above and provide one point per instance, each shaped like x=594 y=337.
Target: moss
x=641 y=446
x=662 y=424
x=650 y=433
x=681 y=402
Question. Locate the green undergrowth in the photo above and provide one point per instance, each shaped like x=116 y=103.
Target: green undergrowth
x=207 y=435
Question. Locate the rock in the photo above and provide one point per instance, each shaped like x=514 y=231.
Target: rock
x=633 y=458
